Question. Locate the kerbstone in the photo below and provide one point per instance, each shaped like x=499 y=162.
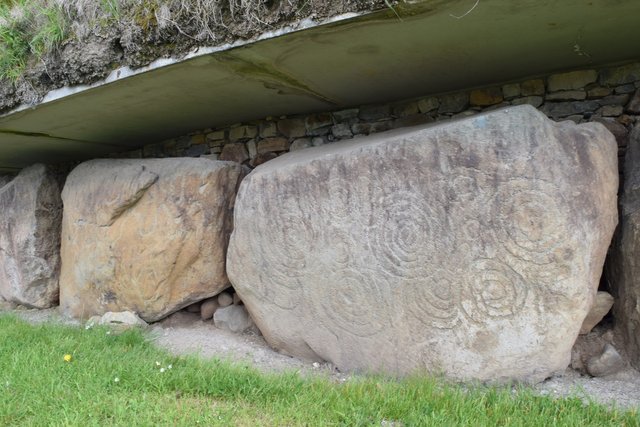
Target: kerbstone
x=30 y=237
x=470 y=248
x=147 y=236
x=625 y=270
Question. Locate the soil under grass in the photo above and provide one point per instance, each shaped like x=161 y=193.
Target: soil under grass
x=122 y=379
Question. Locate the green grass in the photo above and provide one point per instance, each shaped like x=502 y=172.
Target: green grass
x=37 y=387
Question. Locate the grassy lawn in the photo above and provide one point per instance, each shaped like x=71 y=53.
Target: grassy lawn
x=123 y=380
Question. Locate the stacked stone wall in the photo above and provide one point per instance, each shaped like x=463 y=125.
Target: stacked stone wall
x=609 y=95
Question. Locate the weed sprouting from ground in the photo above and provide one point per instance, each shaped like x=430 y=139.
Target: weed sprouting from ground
x=54 y=375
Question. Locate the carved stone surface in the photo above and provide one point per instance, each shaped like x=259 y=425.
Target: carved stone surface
x=470 y=248
x=31 y=211
x=624 y=272
x=147 y=236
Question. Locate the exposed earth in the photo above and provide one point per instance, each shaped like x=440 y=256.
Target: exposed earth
x=184 y=333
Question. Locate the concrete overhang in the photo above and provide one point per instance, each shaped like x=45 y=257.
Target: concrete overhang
x=437 y=46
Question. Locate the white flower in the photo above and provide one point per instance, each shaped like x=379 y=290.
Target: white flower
x=108 y=332
x=116 y=380
x=170 y=366
x=161 y=370
x=157 y=363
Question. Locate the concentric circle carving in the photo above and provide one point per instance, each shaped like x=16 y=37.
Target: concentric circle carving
x=434 y=300
x=405 y=235
x=532 y=225
x=493 y=290
x=345 y=301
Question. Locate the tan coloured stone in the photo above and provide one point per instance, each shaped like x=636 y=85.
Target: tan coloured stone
x=147 y=236
x=601 y=306
x=470 y=248
x=485 y=97
x=572 y=80
x=30 y=237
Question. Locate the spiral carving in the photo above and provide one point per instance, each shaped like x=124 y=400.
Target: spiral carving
x=493 y=290
x=434 y=300
x=532 y=224
x=406 y=233
x=345 y=301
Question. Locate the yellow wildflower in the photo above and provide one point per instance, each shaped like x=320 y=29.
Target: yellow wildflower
x=67 y=358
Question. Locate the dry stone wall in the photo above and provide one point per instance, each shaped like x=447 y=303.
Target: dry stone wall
x=610 y=96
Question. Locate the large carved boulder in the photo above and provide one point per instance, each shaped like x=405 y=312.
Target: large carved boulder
x=624 y=273
x=31 y=211
x=148 y=236
x=470 y=248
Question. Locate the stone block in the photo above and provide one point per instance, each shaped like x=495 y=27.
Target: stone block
x=268 y=129
x=427 y=105
x=292 y=128
x=373 y=113
x=242 y=133
x=30 y=237
x=634 y=105
x=471 y=248
x=233 y=318
x=486 y=97
x=567 y=95
x=345 y=115
x=598 y=92
x=318 y=121
x=341 y=131
x=147 y=236
x=236 y=152
x=271 y=145
x=511 y=90
x=532 y=87
x=453 y=103
x=620 y=75
x=564 y=109
x=572 y=80
x=406 y=109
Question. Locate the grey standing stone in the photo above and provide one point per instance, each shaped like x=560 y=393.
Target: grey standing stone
x=30 y=238
x=468 y=248
x=233 y=318
x=236 y=152
x=624 y=271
